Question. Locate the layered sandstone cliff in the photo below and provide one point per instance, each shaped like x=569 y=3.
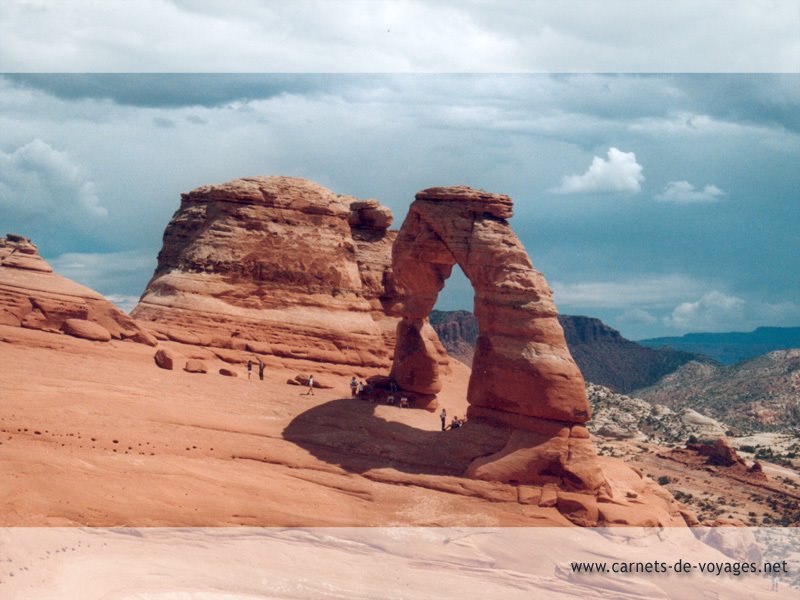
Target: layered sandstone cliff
x=277 y=265
x=34 y=297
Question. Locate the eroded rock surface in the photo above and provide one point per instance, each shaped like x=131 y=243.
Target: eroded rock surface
x=523 y=376
x=34 y=297
x=277 y=265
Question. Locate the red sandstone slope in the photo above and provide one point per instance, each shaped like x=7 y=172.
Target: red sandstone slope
x=103 y=437
x=33 y=296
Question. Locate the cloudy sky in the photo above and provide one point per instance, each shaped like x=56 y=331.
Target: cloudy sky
x=662 y=203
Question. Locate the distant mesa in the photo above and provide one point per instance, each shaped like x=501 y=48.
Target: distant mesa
x=732 y=347
x=34 y=297
x=277 y=263
x=603 y=355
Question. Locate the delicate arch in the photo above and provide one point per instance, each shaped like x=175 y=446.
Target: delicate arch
x=522 y=367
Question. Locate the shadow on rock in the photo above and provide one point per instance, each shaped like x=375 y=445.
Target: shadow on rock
x=347 y=433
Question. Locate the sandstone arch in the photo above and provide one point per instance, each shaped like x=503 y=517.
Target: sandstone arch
x=523 y=374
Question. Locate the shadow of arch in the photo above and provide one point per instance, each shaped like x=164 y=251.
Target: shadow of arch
x=347 y=433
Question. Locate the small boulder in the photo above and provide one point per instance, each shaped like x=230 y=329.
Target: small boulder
x=165 y=359
x=86 y=329
x=228 y=372
x=195 y=365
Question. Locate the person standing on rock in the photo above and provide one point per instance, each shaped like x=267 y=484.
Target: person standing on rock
x=353 y=387
x=310 y=391
x=249 y=369
x=443 y=417
x=261 y=366
x=360 y=392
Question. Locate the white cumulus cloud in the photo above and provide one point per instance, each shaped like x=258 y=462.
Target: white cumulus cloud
x=117 y=275
x=39 y=182
x=713 y=310
x=683 y=192
x=620 y=173
x=636 y=316
x=648 y=291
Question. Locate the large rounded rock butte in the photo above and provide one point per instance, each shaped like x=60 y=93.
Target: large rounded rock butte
x=279 y=266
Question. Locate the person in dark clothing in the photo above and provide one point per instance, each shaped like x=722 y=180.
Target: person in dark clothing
x=261 y=366
x=353 y=387
x=249 y=369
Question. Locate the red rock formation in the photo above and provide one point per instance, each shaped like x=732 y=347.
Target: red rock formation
x=195 y=365
x=277 y=265
x=165 y=358
x=33 y=296
x=86 y=330
x=721 y=453
x=523 y=375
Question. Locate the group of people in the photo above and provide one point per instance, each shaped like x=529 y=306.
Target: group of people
x=454 y=424
x=365 y=391
x=261 y=367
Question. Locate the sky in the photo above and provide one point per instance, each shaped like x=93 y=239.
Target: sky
x=661 y=203
x=379 y=36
